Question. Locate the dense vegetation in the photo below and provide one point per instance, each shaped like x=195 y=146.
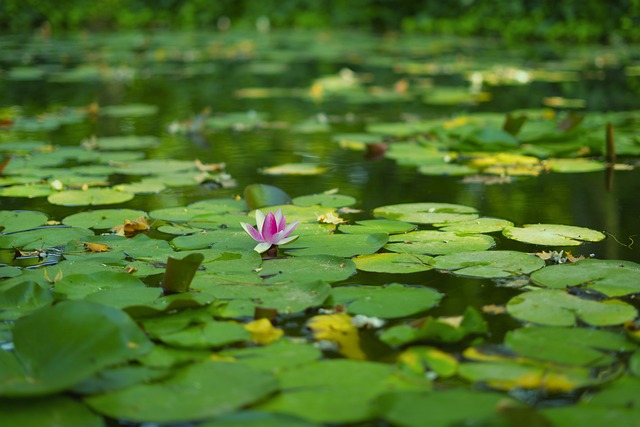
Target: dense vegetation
x=513 y=20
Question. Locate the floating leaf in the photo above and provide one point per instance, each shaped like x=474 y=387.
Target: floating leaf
x=81 y=339
x=426 y=213
x=129 y=110
x=479 y=225
x=294 y=169
x=262 y=195
x=195 y=392
x=567 y=346
x=92 y=196
x=558 y=308
x=129 y=142
x=443 y=408
x=43 y=237
x=377 y=226
x=286 y=298
x=393 y=263
x=280 y=355
x=344 y=245
x=180 y=271
x=101 y=219
x=307 y=268
x=433 y=242
x=21 y=220
x=330 y=391
x=610 y=277
x=440 y=329
x=389 y=301
x=325 y=199
x=553 y=234
x=52 y=411
x=488 y=264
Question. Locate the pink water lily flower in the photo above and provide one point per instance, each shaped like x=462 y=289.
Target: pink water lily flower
x=272 y=230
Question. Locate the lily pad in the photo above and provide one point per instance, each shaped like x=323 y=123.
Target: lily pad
x=43 y=237
x=387 y=302
x=54 y=411
x=330 y=391
x=488 y=264
x=198 y=391
x=92 y=196
x=21 y=220
x=394 y=263
x=479 y=225
x=558 y=308
x=344 y=245
x=130 y=142
x=377 y=226
x=286 y=298
x=426 y=213
x=433 y=242
x=307 y=268
x=129 y=110
x=613 y=278
x=81 y=339
x=553 y=234
x=323 y=199
x=102 y=218
x=443 y=408
x=294 y=169
x=568 y=346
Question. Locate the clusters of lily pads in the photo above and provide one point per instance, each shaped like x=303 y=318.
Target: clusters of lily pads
x=97 y=323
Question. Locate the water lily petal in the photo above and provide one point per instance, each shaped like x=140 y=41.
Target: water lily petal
x=259 y=220
x=269 y=228
x=251 y=231
x=281 y=220
x=262 y=247
x=287 y=240
x=290 y=228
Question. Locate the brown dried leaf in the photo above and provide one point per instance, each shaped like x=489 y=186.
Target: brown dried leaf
x=96 y=247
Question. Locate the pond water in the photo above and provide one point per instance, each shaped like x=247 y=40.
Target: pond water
x=291 y=97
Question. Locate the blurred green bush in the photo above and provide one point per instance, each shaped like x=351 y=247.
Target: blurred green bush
x=513 y=20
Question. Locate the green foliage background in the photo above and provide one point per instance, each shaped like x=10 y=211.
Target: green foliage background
x=513 y=20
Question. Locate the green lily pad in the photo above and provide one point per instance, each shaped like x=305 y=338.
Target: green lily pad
x=323 y=199
x=286 y=298
x=433 y=242
x=437 y=329
x=294 y=169
x=575 y=165
x=43 y=237
x=198 y=391
x=613 y=278
x=583 y=415
x=78 y=286
x=568 y=346
x=446 y=169
x=129 y=110
x=307 y=268
x=330 y=391
x=395 y=263
x=54 y=411
x=426 y=213
x=344 y=245
x=142 y=187
x=558 y=308
x=28 y=190
x=553 y=234
x=443 y=408
x=282 y=354
x=508 y=375
x=92 y=196
x=157 y=167
x=258 y=419
x=23 y=298
x=488 y=264
x=81 y=339
x=262 y=195
x=102 y=218
x=377 y=226
x=129 y=142
x=21 y=220
x=388 y=301
x=479 y=225
x=207 y=335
